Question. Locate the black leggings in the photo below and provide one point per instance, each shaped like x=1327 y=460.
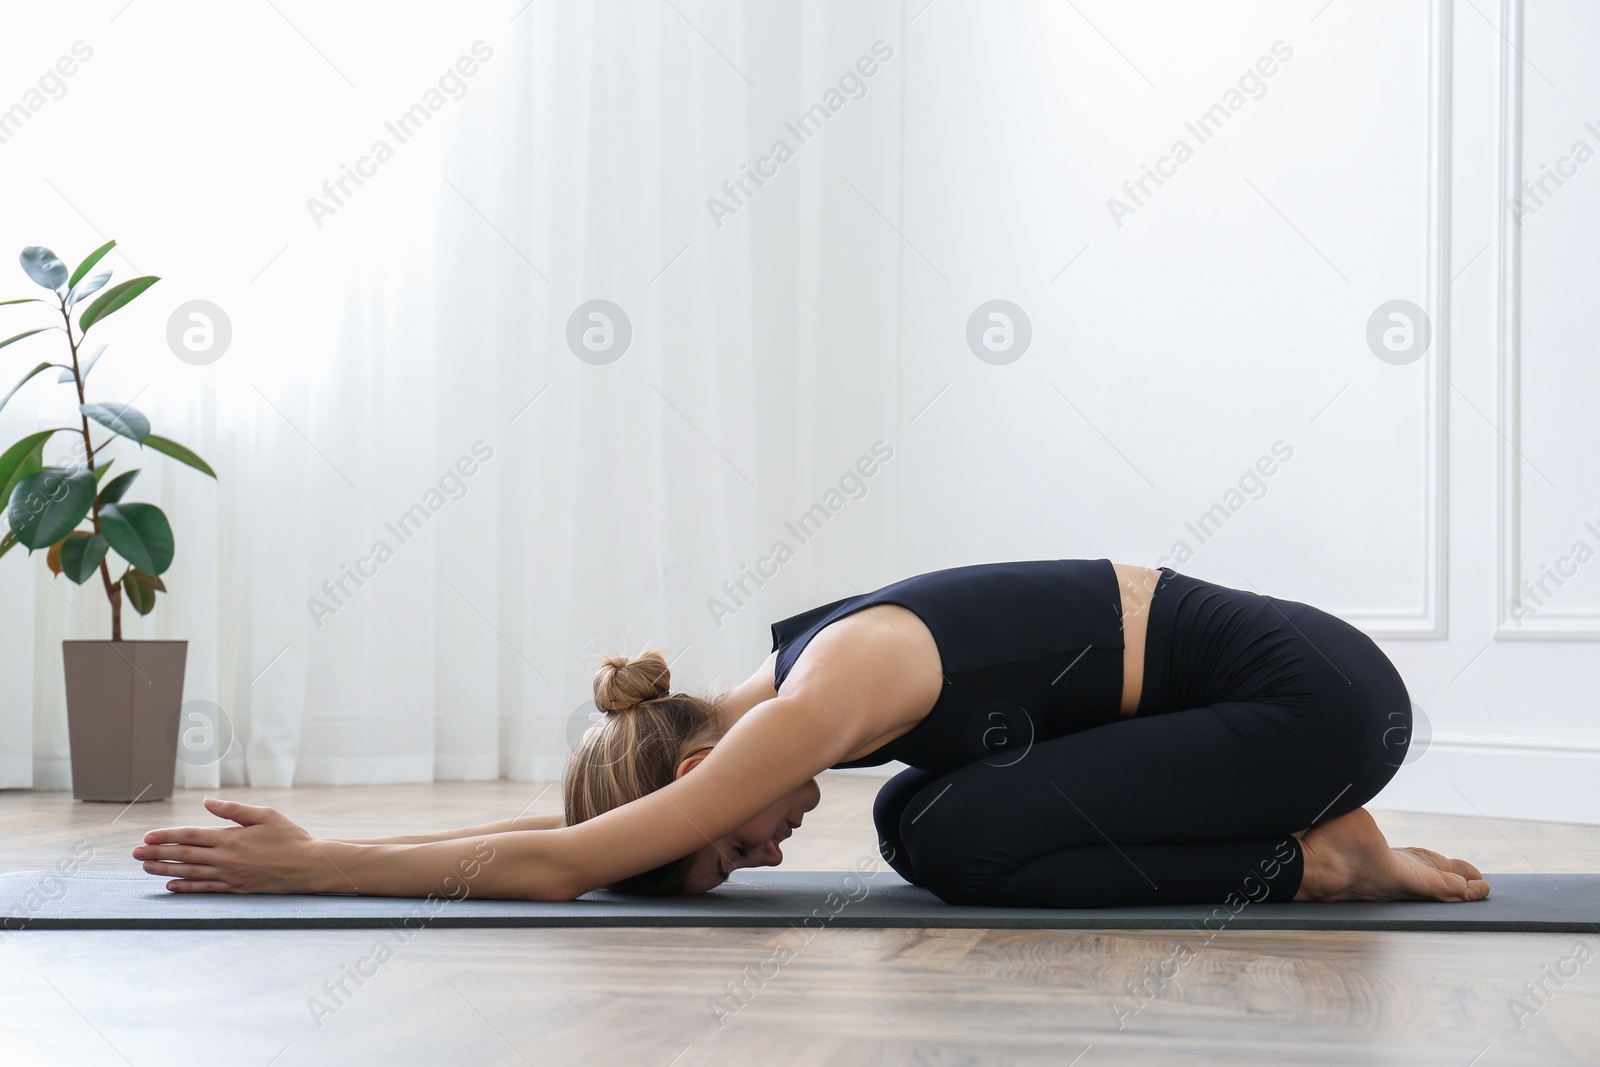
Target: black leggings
x=1258 y=717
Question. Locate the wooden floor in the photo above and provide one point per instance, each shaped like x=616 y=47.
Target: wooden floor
x=642 y=997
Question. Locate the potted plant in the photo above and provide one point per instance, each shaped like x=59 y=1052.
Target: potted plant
x=123 y=697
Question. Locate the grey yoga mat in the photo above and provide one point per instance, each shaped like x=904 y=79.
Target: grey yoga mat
x=123 y=900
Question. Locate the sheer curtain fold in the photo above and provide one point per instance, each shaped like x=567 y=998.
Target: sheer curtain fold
x=432 y=514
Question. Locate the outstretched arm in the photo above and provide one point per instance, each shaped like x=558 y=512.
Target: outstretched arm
x=268 y=853
x=773 y=749
x=504 y=826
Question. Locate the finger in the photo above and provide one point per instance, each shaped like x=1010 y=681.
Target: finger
x=175 y=853
x=182 y=870
x=199 y=885
x=210 y=836
x=243 y=814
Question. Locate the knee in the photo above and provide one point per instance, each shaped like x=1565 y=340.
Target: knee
x=1381 y=704
x=1389 y=740
x=1391 y=734
x=943 y=843
x=887 y=809
x=959 y=893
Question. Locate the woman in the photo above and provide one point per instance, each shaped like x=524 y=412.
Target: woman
x=1079 y=734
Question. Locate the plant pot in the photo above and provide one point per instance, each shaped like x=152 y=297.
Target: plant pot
x=123 y=703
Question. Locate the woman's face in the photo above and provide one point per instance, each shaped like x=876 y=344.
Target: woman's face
x=755 y=844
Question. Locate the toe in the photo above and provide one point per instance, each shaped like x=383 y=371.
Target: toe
x=1444 y=863
x=1430 y=876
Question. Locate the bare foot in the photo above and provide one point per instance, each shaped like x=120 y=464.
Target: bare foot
x=1348 y=859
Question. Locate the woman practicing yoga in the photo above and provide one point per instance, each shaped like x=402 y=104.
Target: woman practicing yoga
x=1078 y=733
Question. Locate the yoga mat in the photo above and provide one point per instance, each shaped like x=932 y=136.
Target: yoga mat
x=133 y=900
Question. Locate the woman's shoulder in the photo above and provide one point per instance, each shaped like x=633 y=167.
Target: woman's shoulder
x=876 y=668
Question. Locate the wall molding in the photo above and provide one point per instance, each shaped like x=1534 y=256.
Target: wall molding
x=1430 y=622
x=1568 y=625
x=1520 y=742
x=1483 y=779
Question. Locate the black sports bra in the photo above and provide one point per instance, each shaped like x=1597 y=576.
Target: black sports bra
x=1030 y=650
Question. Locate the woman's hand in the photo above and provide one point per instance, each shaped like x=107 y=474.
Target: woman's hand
x=265 y=853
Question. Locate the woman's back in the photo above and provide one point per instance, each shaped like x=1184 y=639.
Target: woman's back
x=1028 y=650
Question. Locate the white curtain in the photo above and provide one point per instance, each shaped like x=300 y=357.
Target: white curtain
x=399 y=403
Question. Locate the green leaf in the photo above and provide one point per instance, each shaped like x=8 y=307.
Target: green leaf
x=142 y=589
x=31 y=464
x=88 y=264
x=89 y=366
x=169 y=447
x=101 y=470
x=52 y=558
x=114 y=490
x=49 y=505
x=88 y=287
x=21 y=460
x=25 y=333
x=140 y=533
x=141 y=596
x=67 y=375
x=44 y=267
x=114 y=298
x=41 y=367
x=8 y=542
x=24 y=300
x=80 y=556
x=120 y=418
x=150 y=581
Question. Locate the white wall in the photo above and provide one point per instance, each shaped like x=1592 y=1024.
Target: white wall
x=1175 y=345
x=1515 y=710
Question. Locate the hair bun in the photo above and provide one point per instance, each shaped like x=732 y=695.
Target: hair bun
x=622 y=683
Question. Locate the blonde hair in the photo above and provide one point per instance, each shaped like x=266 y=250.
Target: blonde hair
x=635 y=750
